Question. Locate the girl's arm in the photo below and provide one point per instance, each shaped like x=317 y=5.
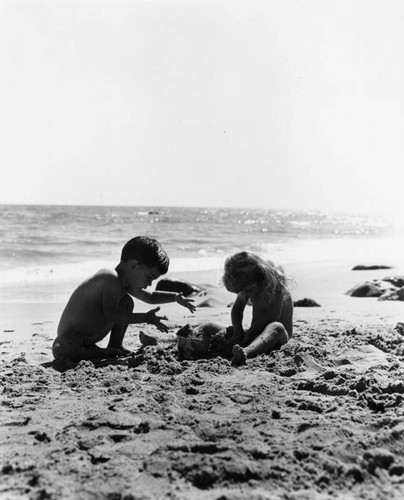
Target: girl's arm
x=158 y=297
x=272 y=314
x=237 y=312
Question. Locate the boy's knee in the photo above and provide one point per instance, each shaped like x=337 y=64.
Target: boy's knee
x=64 y=349
x=59 y=349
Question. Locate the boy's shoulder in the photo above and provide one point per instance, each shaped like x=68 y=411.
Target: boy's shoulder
x=107 y=272
x=104 y=275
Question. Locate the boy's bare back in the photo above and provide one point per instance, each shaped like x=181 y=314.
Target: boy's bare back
x=85 y=313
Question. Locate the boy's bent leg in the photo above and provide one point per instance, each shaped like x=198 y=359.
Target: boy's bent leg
x=273 y=337
x=74 y=350
x=93 y=351
x=118 y=331
x=63 y=348
x=64 y=351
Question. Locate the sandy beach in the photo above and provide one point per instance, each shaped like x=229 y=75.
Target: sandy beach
x=321 y=418
x=211 y=128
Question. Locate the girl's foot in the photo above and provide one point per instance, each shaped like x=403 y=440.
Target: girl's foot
x=147 y=339
x=239 y=356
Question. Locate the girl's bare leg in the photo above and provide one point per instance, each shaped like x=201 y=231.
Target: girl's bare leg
x=273 y=337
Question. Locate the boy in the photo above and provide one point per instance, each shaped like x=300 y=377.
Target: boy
x=102 y=304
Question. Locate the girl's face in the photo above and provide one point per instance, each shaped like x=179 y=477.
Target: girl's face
x=237 y=284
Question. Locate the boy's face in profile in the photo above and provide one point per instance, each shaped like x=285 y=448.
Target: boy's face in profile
x=141 y=276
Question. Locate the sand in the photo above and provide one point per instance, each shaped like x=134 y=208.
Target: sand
x=321 y=418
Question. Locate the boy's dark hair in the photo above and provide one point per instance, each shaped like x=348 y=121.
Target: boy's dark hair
x=146 y=251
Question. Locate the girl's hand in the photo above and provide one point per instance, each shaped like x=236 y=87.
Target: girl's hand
x=156 y=320
x=185 y=302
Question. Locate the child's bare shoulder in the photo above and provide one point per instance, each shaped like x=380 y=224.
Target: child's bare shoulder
x=106 y=273
x=104 y=278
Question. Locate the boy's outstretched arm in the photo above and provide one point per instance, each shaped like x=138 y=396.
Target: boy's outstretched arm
x=111 y=296
x=158 y=297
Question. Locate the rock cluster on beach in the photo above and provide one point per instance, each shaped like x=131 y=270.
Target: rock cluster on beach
x=306 y=302
x=361 y=267
x=388 y=288
x=179 y=286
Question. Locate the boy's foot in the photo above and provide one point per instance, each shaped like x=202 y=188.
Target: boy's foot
x=239 y=356
x=124 y=352
x=147 y=339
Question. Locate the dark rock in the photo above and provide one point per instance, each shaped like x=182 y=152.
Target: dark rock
x=306 y=303
x=395 y=280
x=399 y=328
x=167 y=285
x=383 y=289
x=367 y=289
x=369 y=268
x=210 y=302
x=393 y=294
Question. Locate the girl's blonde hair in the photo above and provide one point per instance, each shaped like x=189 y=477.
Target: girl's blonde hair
x=243 y=269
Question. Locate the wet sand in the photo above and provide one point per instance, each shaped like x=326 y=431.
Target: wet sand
x=321 y=418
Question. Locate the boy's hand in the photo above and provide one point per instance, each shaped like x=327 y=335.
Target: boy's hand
x=185 y=302
x=156 y=320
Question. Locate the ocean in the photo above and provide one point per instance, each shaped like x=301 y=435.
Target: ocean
x=46 y=250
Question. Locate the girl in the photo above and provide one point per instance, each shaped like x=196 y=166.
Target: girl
x=265 y=286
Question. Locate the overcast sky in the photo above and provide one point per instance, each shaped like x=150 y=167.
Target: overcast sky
x=278 y=104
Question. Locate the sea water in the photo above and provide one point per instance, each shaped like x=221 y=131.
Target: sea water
x=46 y=250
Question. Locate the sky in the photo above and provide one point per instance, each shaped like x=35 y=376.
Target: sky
x=294 y=104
